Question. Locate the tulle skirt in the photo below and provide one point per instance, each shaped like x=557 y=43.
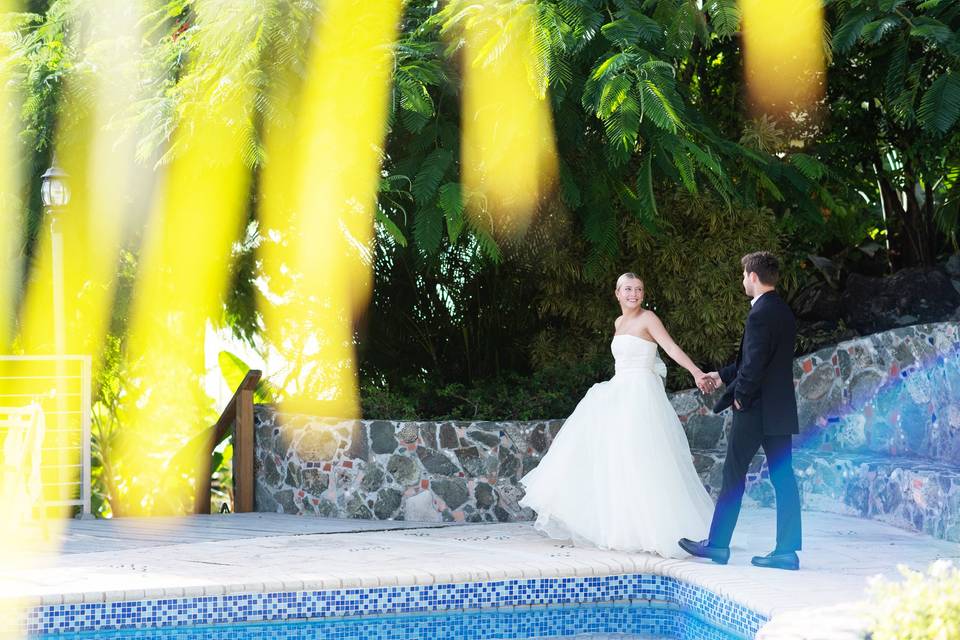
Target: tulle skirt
x=619 y=474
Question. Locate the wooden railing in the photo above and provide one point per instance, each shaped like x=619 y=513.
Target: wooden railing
x=238 y=416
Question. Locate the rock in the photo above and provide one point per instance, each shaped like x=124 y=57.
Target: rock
x=317 y=444
x=538 y=438
x=404 y=470
x=315 y=482
x=863 y=387
x=294 y=477
x=453 y=491
x=876 y=304
x=382 y=437
x=485 y=438
x=483 y=495
x=435 y=462
x=509 y=463
x=469 y=458
x=819 y=302
x=358 y=448
x=818 y=383
x=388 y=501
x=448 y=437
x=271 y=472
x=327 y=509
x=827 y=268
x=705 y=430
x=372 y=478
x=357 y=508
x=952 y=266
x=265 y=501
x=420 y=508
x=528 y=464
x=285 y=501
x=409 y=432
x=428 y=434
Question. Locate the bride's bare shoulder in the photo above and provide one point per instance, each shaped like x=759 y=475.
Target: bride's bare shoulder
x=616 y=323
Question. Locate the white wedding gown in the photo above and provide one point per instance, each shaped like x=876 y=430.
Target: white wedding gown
x=619 y=474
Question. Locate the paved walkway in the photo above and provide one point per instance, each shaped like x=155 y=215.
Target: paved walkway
x=841 y=553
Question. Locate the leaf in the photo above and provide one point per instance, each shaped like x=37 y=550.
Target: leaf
x=875 y=31
x=431 y=173
x=631 y=27
x=450 y=201
x=809 y=166
x=940 y=105
x=391 y=228
x=654 y=104
x=645 y=195
x=569 y=190
x=725 y=16
x=850 y=28
x=623 y=127
x=428 y=229
x=931 y=29
x=234 y=370
x=896 y=70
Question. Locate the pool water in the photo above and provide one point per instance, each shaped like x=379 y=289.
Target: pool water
x=602 y=621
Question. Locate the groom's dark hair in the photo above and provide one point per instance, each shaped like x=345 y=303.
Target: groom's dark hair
x=764 y=264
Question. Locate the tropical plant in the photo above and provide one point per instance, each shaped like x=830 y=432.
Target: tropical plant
x=921 y=607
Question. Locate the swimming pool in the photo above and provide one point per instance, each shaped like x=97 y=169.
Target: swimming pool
x=599 y=621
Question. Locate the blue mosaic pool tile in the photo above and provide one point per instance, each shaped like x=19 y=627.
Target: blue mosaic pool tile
x=304 y=605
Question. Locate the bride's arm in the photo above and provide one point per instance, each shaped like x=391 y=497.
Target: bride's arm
x=659 y=333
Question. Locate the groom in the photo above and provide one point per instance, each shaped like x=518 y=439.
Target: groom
x=760 y=390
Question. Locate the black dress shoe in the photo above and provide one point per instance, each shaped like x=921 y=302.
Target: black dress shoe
x=778 y=560
x=702 y=549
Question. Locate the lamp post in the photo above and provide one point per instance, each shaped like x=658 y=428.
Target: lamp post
x=55 y=194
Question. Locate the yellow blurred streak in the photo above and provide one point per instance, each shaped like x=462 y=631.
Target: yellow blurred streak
x=508 y=153
x=25 y=528
x=783 y=49
x=319 y=191
x=184 y=269
x=11 y=225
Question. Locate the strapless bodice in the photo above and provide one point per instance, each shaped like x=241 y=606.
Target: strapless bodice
x=633 y=353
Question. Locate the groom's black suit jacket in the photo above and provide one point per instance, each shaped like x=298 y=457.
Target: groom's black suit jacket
x=763 y=372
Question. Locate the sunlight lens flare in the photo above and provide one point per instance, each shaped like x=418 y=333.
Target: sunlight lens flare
x=508 y=154
x=320 y=190
x=198 y=215
x=783 y=50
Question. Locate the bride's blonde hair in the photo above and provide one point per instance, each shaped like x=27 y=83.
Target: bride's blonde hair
x=629 y=275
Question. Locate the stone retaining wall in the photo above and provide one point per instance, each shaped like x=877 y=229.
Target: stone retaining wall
x=880 y=436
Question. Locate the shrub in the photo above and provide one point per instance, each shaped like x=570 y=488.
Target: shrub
x=921 y=607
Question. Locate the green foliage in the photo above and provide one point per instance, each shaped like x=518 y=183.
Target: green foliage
x=692 y=273
x=550 y=392
x=921 y=607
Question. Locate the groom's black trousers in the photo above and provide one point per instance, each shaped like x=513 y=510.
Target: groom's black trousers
x=745 y=439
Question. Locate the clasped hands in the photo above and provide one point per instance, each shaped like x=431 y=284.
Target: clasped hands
x=709 y=382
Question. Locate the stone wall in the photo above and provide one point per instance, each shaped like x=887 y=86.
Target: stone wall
x=880 y=437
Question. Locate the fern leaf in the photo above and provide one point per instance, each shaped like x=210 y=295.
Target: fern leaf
x=725 y=17
x=655 y=105
x=850 y=28
x=431 y=173
x=645 y=195
x=809 y=166
x=391 y=227
x=450 y=201
x=428 y=229
x=940 y=105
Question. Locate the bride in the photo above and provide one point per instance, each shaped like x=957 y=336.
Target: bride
x=619 y=474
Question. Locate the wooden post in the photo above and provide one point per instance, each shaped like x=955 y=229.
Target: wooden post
x=243 y=445
x=238 y=416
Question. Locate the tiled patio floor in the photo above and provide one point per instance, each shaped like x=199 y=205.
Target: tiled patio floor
x=287 y=553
